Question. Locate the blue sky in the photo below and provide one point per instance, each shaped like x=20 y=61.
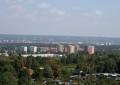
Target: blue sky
x=60 y=17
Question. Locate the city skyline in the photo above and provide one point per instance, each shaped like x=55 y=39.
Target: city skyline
x=60 y=17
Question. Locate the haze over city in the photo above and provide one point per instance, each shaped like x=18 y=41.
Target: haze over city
x=60 y=17
x=59 y=42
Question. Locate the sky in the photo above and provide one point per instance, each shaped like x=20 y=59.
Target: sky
x=99 y=18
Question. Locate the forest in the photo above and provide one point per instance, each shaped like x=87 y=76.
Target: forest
x=17 y=70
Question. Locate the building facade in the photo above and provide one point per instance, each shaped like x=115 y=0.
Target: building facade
x=91 y=50
x=33 y=49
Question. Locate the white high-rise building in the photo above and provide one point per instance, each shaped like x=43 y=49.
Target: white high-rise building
x=71 y=48
x=91 y=50
x=33 y=49
x=24 y=49
x=61 y=48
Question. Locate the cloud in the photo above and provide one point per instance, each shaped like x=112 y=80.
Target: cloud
x=43 y=5
x=34 y=10
x=20 y=0
x=57 y=11
x=99 y=13
x=50 y=9
x=86 y=14
x=92 y=13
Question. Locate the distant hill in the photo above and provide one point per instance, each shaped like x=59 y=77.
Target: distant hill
x=49 y=38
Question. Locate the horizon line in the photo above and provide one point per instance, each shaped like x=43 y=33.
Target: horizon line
x=58 y=35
